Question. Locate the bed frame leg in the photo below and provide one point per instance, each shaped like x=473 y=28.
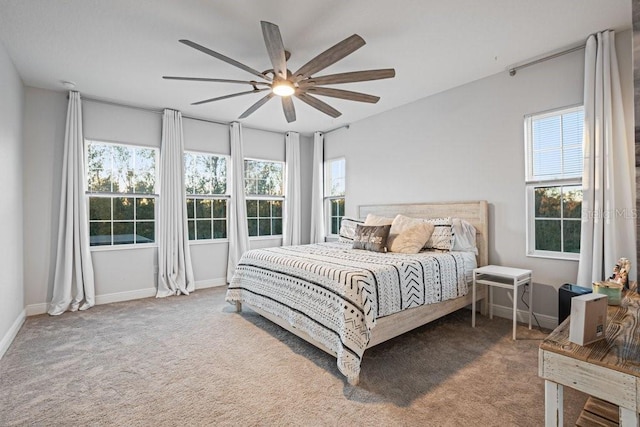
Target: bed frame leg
x=238 y=307
x=354 y=381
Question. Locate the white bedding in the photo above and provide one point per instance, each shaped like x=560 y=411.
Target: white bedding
x=335 y=293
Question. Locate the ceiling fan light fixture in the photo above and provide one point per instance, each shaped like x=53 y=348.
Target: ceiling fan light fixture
x=283 y=88
x=280 y=81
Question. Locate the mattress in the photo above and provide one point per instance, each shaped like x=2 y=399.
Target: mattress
x=335 y=293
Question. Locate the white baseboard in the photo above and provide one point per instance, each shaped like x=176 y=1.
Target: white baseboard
x=548 y=322
x=35 y=309
x=211 y=283
x=42 y=308
x=125 y=296
x=11 y=333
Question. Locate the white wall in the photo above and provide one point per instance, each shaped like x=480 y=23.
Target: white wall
x=11 y=185
x=45 y=116
x=468 y=144
x=120 y=273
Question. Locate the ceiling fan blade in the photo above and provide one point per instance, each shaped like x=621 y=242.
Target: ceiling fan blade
x=205 y=79
x=354 y=76
x=225 y=59
x=275 y=48
x=289 y=110
x=257 y=105
x=342 y=94
x=329 y=56
x=233 y=95
x=318 y=105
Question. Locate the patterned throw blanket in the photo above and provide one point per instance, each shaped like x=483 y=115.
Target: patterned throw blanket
x=335 y=293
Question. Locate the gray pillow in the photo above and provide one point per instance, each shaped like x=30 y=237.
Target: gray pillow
x=371 y=237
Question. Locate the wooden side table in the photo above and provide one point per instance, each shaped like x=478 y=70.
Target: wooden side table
x=608 y=369
x=502 y=277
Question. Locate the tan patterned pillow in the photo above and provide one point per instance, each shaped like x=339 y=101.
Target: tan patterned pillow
x=412 y=239
x=371 y=238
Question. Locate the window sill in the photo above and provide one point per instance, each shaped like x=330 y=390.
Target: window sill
x=107 y=248
x=208 y=242
x=555 y=255
x=274 y=237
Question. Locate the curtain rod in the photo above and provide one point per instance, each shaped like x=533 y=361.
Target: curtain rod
x=552 y=55
x=514 y=70
x=338 y=128
x=158 y=111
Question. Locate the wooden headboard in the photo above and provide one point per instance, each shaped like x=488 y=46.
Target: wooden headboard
x=476 y=212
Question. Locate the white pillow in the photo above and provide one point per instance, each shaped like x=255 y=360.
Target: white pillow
x=464 y=236
x=372 y=219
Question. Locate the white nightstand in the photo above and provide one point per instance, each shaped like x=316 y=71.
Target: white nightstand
x=502 y=277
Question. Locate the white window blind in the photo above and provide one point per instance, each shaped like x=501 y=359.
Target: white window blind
x=556 y=149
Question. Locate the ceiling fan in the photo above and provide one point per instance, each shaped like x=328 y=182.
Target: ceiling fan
x=302 y=84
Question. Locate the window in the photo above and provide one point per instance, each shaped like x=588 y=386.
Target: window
x=334 y=189
x=121 y=193
x=554 y=182
x=206 y=188
x=264 y=189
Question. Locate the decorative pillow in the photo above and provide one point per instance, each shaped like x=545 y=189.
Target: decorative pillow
x=401 y=223
x=372 y=219
x=412 y=239
x=372 y=237
x=442 y=237
x=348 y=229
x=465 y=236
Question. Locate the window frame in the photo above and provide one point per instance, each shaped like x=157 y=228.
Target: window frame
x=329 y=198
x=265 y=197
x=113 y=194
x=226 y=197
x=532 y=183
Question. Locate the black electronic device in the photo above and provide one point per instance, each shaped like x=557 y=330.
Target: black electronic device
x=565 y=293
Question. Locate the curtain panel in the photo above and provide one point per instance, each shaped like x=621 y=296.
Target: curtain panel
x=175 y=272
x=317 y=190
x=238 y=231
x=608 y=224
x=73 y=286
x=292 y=217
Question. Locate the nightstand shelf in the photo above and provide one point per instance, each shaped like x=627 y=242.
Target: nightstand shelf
x=506 y=278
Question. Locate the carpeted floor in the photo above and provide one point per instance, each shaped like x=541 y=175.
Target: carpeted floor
x=192 y=361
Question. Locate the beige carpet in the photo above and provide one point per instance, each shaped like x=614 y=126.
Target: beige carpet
x=192 y=361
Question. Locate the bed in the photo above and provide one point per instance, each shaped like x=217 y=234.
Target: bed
x=345 y=300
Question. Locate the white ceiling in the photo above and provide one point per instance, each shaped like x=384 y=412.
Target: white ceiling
x=120 y=49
